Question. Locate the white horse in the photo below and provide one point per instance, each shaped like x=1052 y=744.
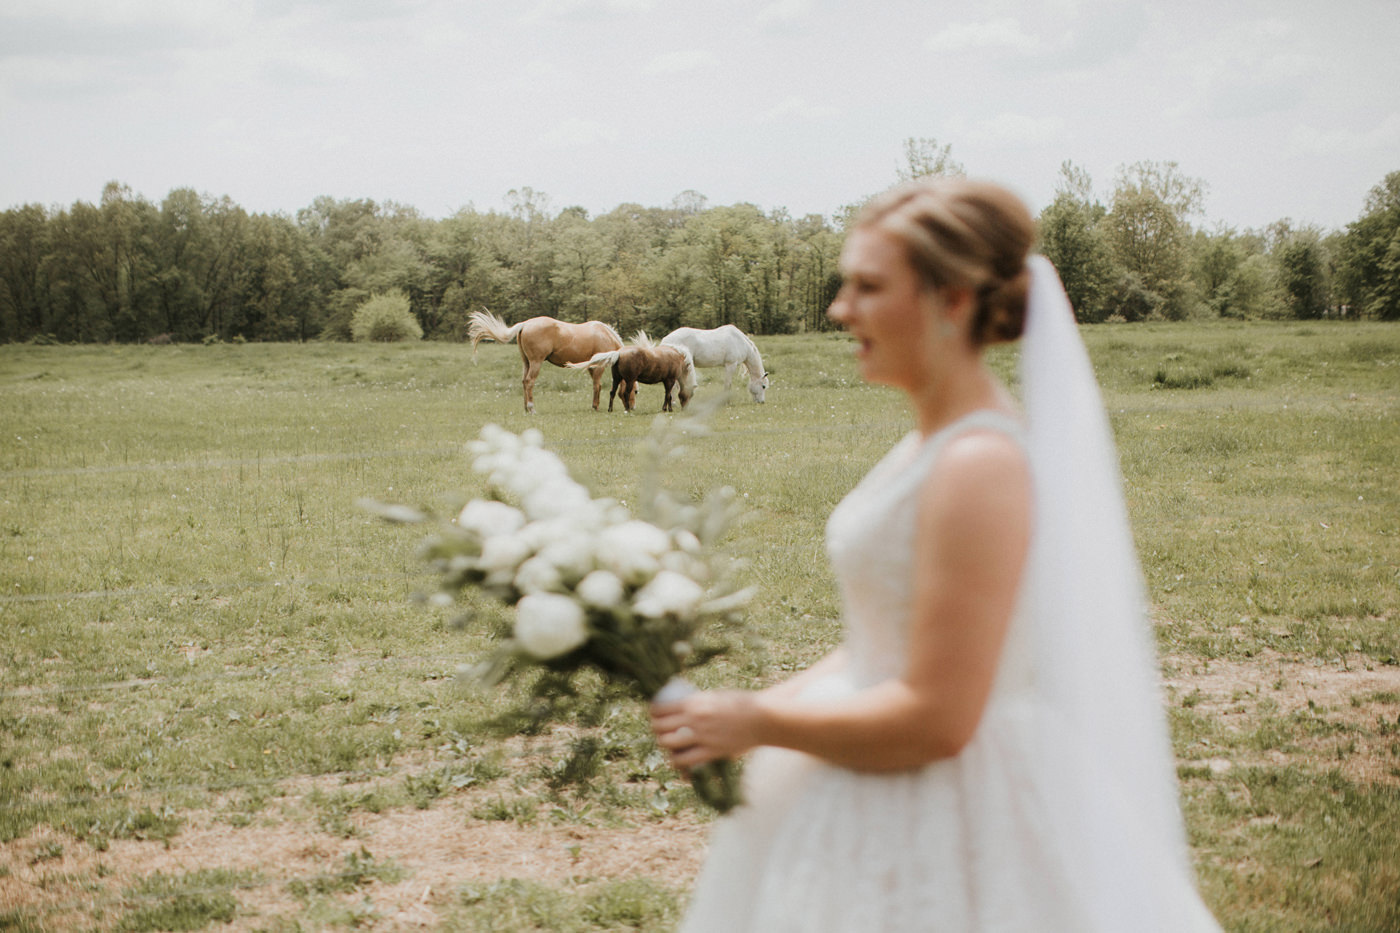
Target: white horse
x=725 y=346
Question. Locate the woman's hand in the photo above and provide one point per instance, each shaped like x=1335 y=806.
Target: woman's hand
x=707 y=726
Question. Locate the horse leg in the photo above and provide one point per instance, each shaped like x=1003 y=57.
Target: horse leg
x=669 y=384
x=532 y=372
x=729 y=374
x=597 y=374
x=629 y=394
x=617 y=380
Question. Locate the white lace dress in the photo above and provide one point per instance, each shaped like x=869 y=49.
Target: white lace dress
x=958 y=845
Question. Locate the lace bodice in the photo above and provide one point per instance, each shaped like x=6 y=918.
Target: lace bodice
x=870 y=541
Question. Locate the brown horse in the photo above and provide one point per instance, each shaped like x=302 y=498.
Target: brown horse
x=644 y=362
x=544 y=338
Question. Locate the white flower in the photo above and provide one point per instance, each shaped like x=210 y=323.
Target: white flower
x=486 y=517
x=502 y=555
x=548 y=625
x=686 y=564
x=668 y=593
x=553 y=498
x=686 y=541
x=631 y=550
x=538 y=575
x=601 y=589
x=571 y=555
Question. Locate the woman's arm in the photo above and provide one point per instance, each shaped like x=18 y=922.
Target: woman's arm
x=971 y=539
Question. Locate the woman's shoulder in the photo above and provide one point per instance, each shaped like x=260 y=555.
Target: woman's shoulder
x=981 y=465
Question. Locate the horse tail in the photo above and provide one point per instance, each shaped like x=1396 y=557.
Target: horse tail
x=600 y=360
x=486 y=326
x=643 y=341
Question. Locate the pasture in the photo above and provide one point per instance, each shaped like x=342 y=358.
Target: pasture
x=220 y=706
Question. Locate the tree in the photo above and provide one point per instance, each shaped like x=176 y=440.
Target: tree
x=1231 y=272
x=925 y=158
x=1149 y=226
x=1072 y=237
x=1301 y=266
x=24 y=247
x=1369 y=266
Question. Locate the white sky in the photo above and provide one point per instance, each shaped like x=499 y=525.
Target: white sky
x=1285 y=108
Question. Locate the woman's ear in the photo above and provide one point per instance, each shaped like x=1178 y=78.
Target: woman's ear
x=955 y=307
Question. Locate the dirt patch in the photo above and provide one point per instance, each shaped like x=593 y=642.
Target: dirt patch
x=1353 y=704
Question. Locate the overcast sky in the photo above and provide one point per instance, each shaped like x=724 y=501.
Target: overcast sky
x=1285 y=108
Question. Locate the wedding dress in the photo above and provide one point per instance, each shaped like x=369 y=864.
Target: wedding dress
x=1038 y=824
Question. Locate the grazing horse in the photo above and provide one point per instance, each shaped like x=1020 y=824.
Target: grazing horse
x=644 y=362
x=725 y=346
x=544 y=338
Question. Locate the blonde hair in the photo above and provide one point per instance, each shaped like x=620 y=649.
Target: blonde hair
x=964 y=233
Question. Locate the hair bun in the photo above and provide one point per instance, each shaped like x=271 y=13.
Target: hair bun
x=1001 y=312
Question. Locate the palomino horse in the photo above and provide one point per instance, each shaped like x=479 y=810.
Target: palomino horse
x=725 y=346
x=544 y=338
x=644 y=362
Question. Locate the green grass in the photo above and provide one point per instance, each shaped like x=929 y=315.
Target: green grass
x=198 y=619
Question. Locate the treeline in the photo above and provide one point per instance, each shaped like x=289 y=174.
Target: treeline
x=199 y=268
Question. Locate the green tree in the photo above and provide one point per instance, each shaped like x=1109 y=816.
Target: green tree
x=1301 y=267
x=1072 y=236
x=25 y=243
x=925 y=158
x=1369 y=265
x=277 y=297
x=1231 y=272
x=1149 y=227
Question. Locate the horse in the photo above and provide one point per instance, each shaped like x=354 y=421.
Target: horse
x=544 y=338
x=725 y=346
x=644 y=362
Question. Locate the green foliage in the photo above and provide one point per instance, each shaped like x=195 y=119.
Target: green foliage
x=196 y=267
x=1370 y=254
x=385 y=318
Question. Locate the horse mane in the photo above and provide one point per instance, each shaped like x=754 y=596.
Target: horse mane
x=642 y=340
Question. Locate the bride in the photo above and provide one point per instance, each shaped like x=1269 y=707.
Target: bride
x=987 y=749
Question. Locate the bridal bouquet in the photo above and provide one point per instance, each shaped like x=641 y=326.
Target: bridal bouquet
x=593 y=587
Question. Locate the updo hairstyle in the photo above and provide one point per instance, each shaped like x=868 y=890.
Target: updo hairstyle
x=963 y=233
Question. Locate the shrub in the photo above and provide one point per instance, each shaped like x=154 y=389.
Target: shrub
x=385 y=318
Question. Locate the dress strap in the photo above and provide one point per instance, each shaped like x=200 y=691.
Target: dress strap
x=987 y=419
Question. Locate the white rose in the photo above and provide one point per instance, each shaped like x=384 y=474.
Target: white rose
x=553 y=498
x=548 y=625
x=571 y=555
x=668 y=593
x=503 y=554
x=686 y=541
x=632 y=550
x=538 y=575
x=486 y=518
x=601 y=589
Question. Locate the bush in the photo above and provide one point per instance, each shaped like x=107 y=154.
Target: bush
x=385 y=318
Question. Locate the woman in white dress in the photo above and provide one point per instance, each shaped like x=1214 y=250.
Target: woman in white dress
x=987 y=750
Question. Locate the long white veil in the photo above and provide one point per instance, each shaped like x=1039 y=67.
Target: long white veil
x=1111 y=778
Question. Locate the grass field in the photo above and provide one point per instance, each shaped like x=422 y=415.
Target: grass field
x=220 y=706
